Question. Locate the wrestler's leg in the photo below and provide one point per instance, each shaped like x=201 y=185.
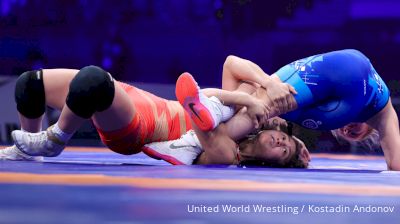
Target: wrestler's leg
x=57 y=83
x=56 y=86
x=30 y=125
x=90 y=91
x=38 y=89
x=33 y=91
x=121 y=111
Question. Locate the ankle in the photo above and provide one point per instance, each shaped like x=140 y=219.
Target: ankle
x=224 y=112
x=60 y=134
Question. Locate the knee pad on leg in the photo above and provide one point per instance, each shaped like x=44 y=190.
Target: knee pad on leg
x=30 y=95
x=92 y=90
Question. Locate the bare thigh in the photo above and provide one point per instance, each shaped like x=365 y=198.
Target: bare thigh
x=119 y=115
x=56 y=86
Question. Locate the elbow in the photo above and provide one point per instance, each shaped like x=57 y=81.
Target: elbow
x=394 y=166
x=394 y=163
x=230 y=60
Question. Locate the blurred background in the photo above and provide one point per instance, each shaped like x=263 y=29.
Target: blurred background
x=150 y=42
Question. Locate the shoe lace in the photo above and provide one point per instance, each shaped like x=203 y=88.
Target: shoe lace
x=38 y=139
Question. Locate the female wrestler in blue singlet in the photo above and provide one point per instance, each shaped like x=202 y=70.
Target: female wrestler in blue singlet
x=336 y=90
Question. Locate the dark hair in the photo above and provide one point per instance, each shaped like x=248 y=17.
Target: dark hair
x=293 y=162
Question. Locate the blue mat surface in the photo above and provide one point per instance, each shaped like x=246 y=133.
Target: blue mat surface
x=98 y=186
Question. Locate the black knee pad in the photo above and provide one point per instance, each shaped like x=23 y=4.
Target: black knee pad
x=91 y=90
x=30 y=95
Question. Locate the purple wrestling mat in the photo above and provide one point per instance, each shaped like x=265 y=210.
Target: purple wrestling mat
x=93 y=185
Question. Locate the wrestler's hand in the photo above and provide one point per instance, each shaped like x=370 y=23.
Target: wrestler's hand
x=258 y=111
x=281 y=96
x=276 y=122
x=304 y=154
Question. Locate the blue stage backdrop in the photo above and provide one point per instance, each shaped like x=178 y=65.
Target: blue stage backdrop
x=153 y=41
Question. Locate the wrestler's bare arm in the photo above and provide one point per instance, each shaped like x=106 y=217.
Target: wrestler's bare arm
x=236 y=70
x=387 y=124
x=242 y=123
x=238 y=98
x=256 y=110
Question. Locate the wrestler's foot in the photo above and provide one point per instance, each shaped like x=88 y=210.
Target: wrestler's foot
x=43 y=143
x=181 y=151
x=13 y=153
x=199 y=106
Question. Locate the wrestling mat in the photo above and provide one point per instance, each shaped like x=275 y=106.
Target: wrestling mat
x=94 y=185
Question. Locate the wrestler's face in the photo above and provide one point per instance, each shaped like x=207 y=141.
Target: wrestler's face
x=354 y=131
x=275 y=146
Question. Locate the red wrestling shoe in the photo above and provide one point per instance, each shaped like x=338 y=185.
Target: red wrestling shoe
x=199 y=106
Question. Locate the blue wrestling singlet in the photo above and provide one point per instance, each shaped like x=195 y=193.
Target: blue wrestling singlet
x=334 y=89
